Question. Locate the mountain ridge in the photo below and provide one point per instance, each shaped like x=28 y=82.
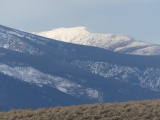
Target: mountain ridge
x=118 y=43
x=81 y=74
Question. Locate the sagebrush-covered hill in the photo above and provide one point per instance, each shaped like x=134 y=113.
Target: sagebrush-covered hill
x=134 y=110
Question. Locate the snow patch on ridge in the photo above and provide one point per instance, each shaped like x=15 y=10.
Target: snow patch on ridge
x=147 y=78
x=13 y=43
x=31 y=75
x=20 y=41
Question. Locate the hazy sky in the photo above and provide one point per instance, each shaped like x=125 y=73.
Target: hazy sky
x=139 y=19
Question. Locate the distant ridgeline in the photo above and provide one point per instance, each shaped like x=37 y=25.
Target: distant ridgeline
x=118 y=43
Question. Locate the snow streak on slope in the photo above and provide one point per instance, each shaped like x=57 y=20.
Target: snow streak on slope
x=31 y=75
x=10 y=41
x=117 y=43
x=148 y=77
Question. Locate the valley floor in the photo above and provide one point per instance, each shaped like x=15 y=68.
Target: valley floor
x=134 y=110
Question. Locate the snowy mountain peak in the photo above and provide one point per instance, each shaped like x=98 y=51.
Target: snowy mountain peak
x=71 y=31
x=67 y=34
x=64 y=33
x=118 y=43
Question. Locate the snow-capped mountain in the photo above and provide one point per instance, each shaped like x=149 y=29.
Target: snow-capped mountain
x=117 y=43
x=40 y=72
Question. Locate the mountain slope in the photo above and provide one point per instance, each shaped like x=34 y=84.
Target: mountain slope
x=117 y=43
x=47 y=72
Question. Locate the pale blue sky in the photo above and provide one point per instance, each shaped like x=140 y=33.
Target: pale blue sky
x=139 y=19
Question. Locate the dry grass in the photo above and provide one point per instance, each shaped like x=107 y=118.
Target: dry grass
x=137 y=110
